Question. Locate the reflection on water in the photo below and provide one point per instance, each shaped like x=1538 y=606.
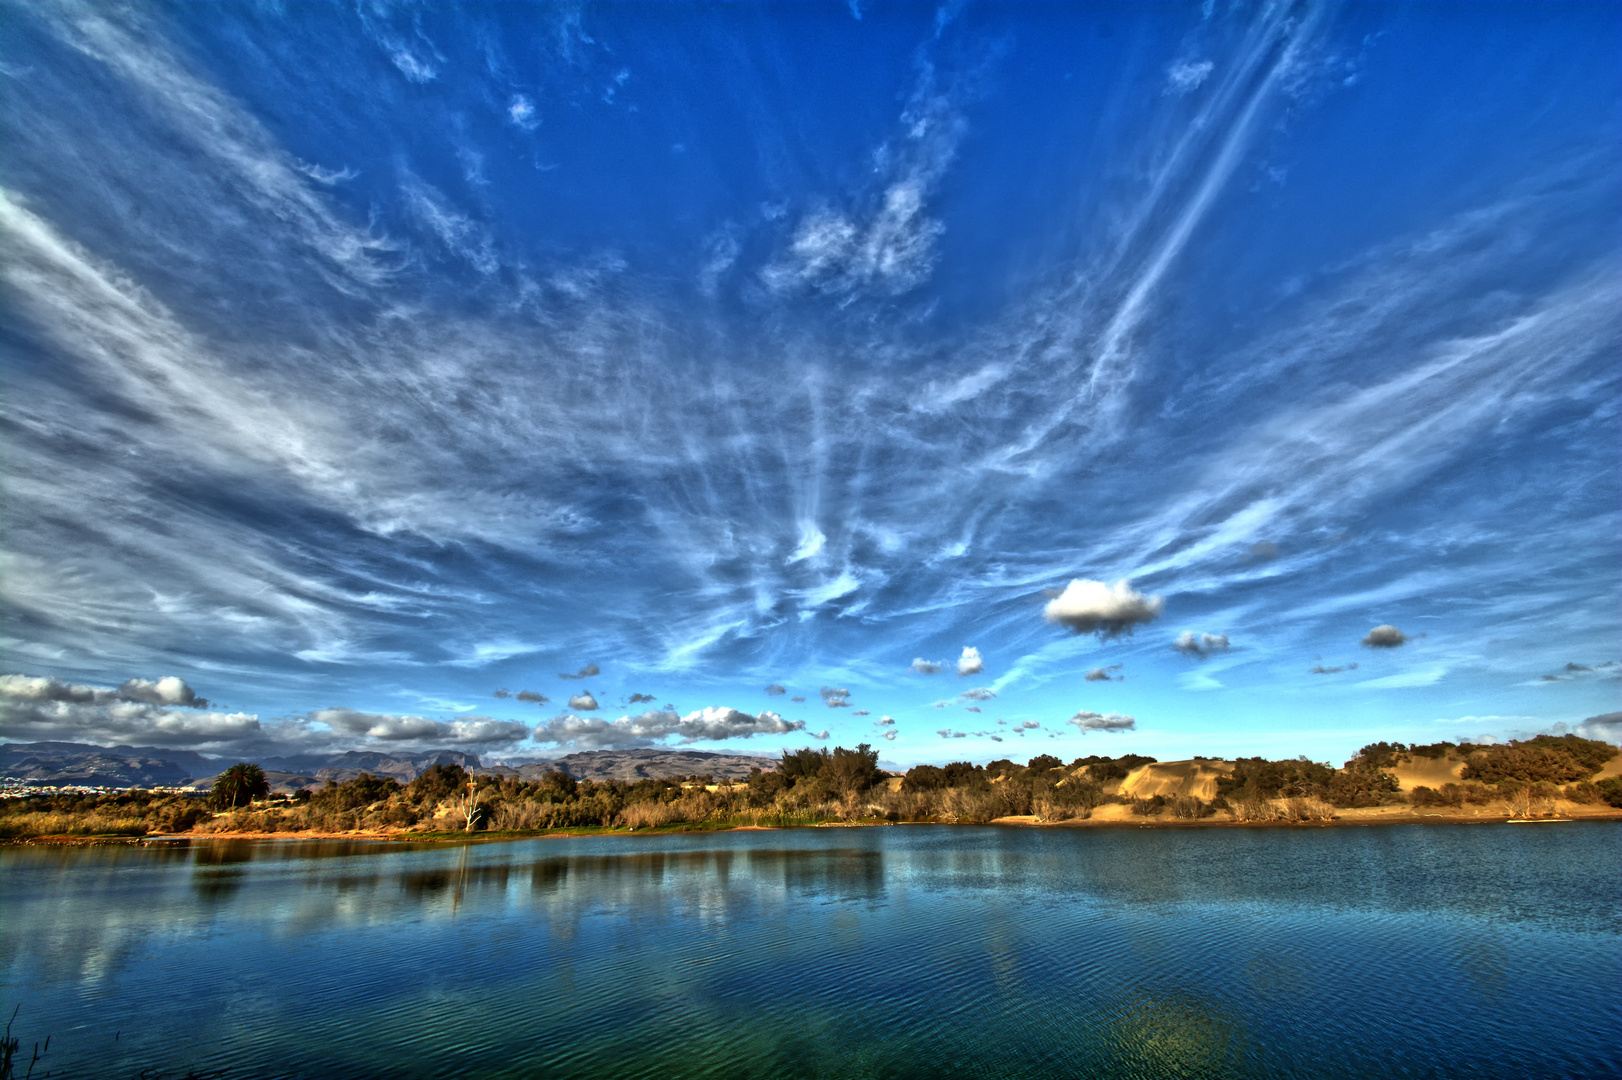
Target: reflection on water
x=885 y=952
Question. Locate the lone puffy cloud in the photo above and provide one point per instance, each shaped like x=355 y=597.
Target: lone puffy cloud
x=776 y=691
x=1200 y=645
x=926 y=667
x=584 y=673
x=1092 y=607
x=835 y=698
x=532 y=697
x=584 y=702
x=638 y=699
x=1385 y=637
x=1102 y=674
x=656 y=726
x=979 y=693
x=970 y=662
x=169 y=690
x=1092 y=721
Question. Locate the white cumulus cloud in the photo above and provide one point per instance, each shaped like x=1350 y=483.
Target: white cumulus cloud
x=970 y=662
x=1200 y=645
x=656 y=726
x=1092 y=607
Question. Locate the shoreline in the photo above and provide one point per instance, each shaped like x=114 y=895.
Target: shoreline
x=1373 y=816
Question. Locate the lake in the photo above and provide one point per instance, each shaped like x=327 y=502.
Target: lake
x=1397 y=951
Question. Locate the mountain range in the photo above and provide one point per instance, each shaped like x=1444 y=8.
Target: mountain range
x=64 y=764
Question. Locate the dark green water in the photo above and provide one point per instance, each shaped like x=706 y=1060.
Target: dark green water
x=1406 y=951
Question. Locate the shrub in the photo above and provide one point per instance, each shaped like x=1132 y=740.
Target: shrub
x=1374 y=756
x=1190 y=808
x=1355 y=787
x=1558 y=760
x=1258 y=778
x=1582 y=792
x=1104 y=769
x=1450 y=794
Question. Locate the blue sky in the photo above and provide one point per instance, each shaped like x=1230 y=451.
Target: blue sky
x=363 y=361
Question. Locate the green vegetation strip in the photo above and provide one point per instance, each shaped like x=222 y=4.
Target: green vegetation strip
x=816 y=786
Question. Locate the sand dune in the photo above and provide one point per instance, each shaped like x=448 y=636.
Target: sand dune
x=1611 y=768
x=1412 y=772
x=1174 y=778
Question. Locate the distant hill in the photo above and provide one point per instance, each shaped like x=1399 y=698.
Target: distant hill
x=346 y=766
x=649 y=764
x=60 y=764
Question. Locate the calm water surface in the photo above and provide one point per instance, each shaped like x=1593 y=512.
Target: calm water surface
x=1406 y=951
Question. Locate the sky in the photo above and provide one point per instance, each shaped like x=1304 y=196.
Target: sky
x=974 y=381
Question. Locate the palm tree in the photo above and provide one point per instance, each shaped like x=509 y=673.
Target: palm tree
x=240 y=785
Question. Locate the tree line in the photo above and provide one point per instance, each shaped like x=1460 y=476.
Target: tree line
x=816 y=784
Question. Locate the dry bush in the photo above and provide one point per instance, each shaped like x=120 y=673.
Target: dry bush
x=1530 y=802
x=907 y=805
x=1051 y=810
x=968 y=806
x=520 y=816
x=648 y=815
x=1187 y=807
x=1582 y=792
x=67 y=823
x=1295 y=810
